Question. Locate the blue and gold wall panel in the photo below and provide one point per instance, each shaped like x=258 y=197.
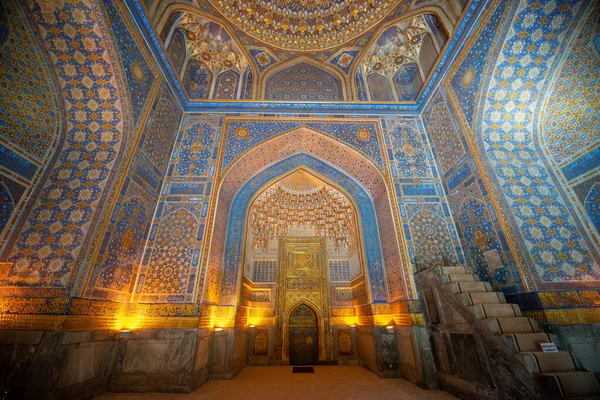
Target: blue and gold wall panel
x=30 y=115
x=171 y=269
x=547 y=231
x=99 y=139
x=116 y=264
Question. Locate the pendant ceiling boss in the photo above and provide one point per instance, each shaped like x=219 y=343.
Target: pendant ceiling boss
x=304 y=25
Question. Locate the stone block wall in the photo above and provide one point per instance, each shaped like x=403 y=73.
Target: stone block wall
x=56 y=364
x=162 y=360
x=85 y=364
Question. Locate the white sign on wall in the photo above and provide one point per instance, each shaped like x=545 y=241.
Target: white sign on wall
x=549 y=347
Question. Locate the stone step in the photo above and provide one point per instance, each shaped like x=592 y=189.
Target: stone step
x=513 y=325
x=452 y=270
x=469 y=287
x=473 y=298
x=579 y=384
x=459 y=278
x=539 y=362
x=528 y=342
x=485 y=311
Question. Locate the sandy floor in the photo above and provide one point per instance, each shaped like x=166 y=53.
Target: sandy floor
x=328 y=382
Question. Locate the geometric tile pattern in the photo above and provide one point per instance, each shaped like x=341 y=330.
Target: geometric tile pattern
x=409 y=155
x=263 y=58
x=418 y=187
x=7 y=205
x=430 y=235
x=140 y=77
x=30 y=116
x=192 y=156
x=247 y=85
x=52 y=236
x=226 y=85
x=468 y=78
x=592 y=205
x=173 y=251
x=345 y=59
x=117 y=259
x=572 y=116
x=171 y=269
x=28 y=109
x=555 y=247
x=197 y=80
x=466 y=192
x=444 y=136
x=161 y=129
x=125 y=246
x=479 y=237
x=177 y=50
x=303 y=81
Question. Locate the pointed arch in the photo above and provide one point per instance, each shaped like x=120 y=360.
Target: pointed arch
x=54 y=273
x=380 y=88
x=343 y=166
x=297 y=61
x=226 y=85
x=197 y=80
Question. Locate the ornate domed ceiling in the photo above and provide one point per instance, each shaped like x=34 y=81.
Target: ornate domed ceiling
x=327 y=51
x=305 y=25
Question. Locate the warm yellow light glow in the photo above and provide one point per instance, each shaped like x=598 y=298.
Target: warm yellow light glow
x=401 y=319
x=218 y=329
x=127 y=322
x=224 y=317
x=254 y=321
x=350 y=320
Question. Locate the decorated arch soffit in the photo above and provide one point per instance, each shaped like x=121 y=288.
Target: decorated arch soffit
x=484 y=102
x=353 y=168
x=343 y=53
x=51 y=267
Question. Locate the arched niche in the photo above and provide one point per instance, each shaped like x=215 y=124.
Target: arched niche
x=226 y=85
x=197 y=80
x=339 y=164
x=59 y=269
x=303 y=79
x=380 y=88
x=177 y=50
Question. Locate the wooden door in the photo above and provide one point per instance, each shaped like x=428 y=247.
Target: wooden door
x=303 y=336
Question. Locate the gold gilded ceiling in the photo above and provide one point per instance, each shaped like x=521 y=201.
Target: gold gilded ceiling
x=304 y=25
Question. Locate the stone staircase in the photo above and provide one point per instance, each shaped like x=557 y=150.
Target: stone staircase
x=521 y=333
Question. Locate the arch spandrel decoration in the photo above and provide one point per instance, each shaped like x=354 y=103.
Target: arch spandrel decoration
x=349 y=165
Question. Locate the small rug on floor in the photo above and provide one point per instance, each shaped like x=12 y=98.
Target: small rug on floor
x=299 y=370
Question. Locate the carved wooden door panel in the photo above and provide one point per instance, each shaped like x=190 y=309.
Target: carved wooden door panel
x=303 y=336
